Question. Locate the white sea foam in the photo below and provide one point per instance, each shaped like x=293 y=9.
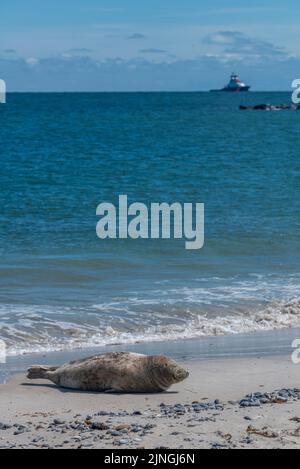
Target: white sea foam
x=39 y=332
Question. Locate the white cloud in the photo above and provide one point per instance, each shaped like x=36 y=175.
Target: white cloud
x=237 y=43
x=79 y=73
x=262 y=64
x=32 y=61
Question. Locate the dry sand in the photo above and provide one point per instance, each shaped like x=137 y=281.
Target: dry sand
x=43 y=416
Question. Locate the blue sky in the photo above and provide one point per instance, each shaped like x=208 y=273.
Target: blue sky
x=134 y=45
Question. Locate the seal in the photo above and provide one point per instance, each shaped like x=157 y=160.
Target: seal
x=120 y=372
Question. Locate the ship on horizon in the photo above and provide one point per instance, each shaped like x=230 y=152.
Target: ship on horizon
x=235 y=85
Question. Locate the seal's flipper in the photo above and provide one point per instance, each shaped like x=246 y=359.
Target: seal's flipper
x=40 y=372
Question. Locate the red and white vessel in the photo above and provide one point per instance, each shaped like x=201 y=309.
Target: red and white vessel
x=235 y=85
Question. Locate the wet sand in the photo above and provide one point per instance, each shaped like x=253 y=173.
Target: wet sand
x=261 y=344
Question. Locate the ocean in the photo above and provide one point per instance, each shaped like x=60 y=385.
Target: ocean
x=62 y=288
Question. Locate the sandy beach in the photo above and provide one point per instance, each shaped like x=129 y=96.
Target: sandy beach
x=206 y=411
x=150 y=204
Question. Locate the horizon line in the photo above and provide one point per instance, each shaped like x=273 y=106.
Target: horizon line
x=143 y=91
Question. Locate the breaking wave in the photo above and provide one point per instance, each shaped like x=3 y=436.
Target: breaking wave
x=37 y=329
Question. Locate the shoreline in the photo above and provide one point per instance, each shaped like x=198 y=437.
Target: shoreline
x=256 y=344
x=202 y=412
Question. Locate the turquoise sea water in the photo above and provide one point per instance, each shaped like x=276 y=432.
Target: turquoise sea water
x=63 y=154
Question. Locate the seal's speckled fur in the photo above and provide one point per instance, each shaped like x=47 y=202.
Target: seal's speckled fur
x=114 y=372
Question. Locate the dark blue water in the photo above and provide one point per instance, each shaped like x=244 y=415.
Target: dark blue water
x=63 y=154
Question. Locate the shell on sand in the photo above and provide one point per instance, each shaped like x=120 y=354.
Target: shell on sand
x=114 y=372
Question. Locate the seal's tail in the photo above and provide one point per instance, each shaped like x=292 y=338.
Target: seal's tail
x=40 y=372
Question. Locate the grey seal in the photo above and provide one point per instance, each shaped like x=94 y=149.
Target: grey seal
x=120 y=372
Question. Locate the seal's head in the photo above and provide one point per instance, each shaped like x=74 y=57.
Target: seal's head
x=167 y=372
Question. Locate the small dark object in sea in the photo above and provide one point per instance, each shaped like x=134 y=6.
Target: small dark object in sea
x=270 y=107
